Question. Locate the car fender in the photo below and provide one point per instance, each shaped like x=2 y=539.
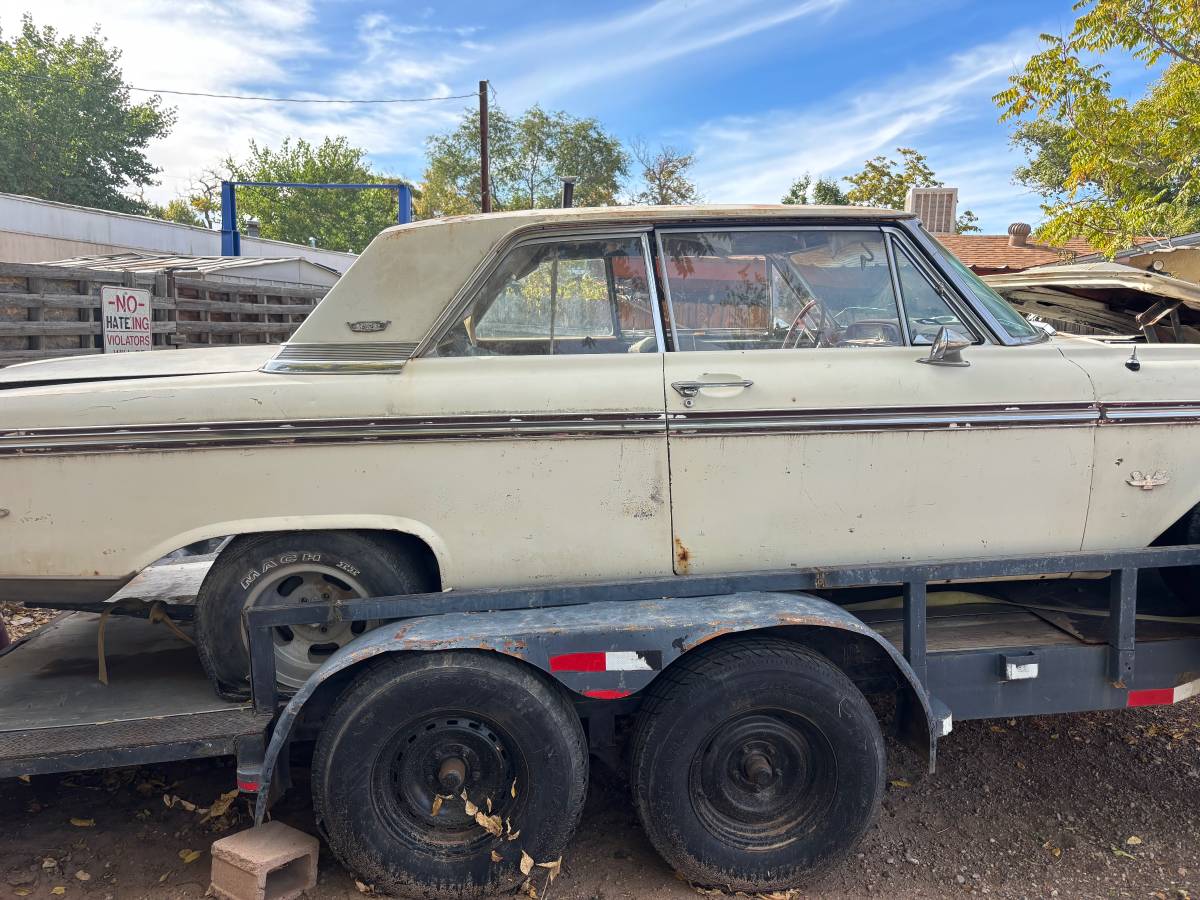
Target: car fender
x=602 y=650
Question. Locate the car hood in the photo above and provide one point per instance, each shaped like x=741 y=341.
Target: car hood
x=152 y=364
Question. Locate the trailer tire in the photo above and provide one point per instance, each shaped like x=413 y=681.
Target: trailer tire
x=756 y=764
x=404 y=732
x=256 y=569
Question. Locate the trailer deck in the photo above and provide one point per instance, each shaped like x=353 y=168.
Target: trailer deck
x=158 y=705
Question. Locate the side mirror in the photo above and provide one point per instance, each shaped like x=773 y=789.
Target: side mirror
x=946 y=349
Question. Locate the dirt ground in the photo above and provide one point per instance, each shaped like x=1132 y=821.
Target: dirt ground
x=1090 y=805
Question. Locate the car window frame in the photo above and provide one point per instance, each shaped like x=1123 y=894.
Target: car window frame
x=895 y=242
x=453 y=314
x=673 y=333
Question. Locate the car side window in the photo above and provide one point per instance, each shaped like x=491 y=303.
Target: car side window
x=560 y=297
x=780 y=289
x=925 y=308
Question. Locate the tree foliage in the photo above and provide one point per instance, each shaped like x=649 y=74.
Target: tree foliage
x=338 y=219
x=528 y=155
x=178 y=210
x=665 y=180
x=823 y=192
x=1111 y=168
x=884 y=182
x=68 y=129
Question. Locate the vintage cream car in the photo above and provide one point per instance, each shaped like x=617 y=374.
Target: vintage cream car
x=583 y=394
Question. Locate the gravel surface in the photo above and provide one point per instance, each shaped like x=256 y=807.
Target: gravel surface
x=1088 y=805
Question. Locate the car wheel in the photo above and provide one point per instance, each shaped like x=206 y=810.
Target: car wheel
x=434 y=772
x=756 y=765
x=294 y=568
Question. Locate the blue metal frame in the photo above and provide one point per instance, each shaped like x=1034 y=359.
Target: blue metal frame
x=231 y=239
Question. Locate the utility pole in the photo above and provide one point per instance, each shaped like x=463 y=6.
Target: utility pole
x=485 y=192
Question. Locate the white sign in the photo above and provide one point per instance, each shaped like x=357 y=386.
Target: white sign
x=126 y=314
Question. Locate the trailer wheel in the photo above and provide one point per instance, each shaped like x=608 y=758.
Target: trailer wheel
x=756 y=764
x=294 y=567
x=444 y=724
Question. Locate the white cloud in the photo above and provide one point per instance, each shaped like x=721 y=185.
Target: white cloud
x=755 y=158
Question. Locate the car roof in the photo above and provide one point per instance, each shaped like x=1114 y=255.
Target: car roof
x=396 y=290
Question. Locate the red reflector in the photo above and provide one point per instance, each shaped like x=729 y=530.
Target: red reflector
x=605 y=694
x=577 y=662
x=250 y=787
x=1154 y=697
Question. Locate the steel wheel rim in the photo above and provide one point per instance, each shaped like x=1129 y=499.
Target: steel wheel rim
x=301 y=649
x=410 y=773
x=760 y=780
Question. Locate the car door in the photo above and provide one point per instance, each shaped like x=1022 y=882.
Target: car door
x=804 y=428
x=551 y=372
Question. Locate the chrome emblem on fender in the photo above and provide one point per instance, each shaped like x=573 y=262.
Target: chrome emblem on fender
x=368 y=325
x=1147 y=482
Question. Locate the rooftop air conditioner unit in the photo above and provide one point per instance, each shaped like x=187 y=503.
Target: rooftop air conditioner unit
x=937 y=207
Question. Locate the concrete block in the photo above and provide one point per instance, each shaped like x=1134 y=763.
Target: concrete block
x=271 y=862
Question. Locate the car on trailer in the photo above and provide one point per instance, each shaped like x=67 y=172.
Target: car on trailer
x=679 y=412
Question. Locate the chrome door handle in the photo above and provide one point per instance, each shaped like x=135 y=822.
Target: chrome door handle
x=692 y=388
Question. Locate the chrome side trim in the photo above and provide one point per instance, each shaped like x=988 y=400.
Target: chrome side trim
x=55 y=441
x=376 y=356
x=1130 y=413
x=896 y=419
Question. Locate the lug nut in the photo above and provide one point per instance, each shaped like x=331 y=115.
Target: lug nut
x=452 y=774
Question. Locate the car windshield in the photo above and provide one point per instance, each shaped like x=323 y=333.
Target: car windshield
x=1016 y=326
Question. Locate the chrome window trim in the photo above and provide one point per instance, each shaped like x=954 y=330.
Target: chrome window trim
x=894 y=276
x=534 y=234
x=933 y=254
x=954 y=300
x=693 y=229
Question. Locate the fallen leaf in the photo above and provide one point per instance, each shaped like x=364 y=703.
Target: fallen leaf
x=496 y=857
x=899 y=783
x=491 y=824
x=470 y=807
x=221 y=805
x=363 y=888
x=83 y=876
x=489 y=804
x=526 y=863
x=163 y=877
x=189 y=856
x=25 y=778
x=552 y=868
x=83 y=823
x=1117 y=851
x=516 y=834
x=437 y=805
x=58 y=890
x=49 y=863
x=513 y=790
x=529 y=890
x=21 y=892
x=1133 y=840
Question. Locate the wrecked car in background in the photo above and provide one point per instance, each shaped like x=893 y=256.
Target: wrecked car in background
x=1107 y=300
x=491 y=401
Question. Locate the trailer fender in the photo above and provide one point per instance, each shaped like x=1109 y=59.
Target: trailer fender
x=605 y=650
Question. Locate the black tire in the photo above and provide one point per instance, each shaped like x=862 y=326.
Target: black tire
x=255 y=567
x=753 y=709
x=386 y=742
x=1183 y=581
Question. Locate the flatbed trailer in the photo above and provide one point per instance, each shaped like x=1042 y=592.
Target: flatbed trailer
x=960 y=639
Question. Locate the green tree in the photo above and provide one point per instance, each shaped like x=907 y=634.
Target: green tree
x=665 y=180
x=528 y=155
x=966 y=223
x=1109 y=167
x=179 y=210
x=824 y=192
x=338 y=219
x=884 y=182
x=68 y=130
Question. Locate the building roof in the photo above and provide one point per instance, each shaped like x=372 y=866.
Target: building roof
x=996 y=253
x=161 y=262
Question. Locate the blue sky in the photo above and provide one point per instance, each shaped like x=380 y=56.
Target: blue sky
x=760 y=91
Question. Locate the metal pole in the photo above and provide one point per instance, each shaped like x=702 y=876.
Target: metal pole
x=485 y=178
x=404 y=204
x=231 y=243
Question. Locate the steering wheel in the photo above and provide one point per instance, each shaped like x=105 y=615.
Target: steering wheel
x=804 y=329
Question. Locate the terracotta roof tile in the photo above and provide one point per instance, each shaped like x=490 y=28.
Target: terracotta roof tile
x=994 y=253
